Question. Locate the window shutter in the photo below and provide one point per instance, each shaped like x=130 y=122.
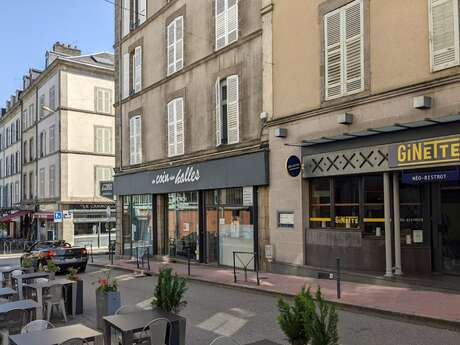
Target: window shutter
x=444 y=34
x=132 y=140
x=126 y=16
x=232 y=21
x=138 y=69
x=138 y=139
x=142 y=11
x=354 y=58
x=125 y=75
x=171 y=130
x=218 y=115
x=233 y=126
x=333 y=55
x=179 y=48
x=220 y=23
x=179 y=111
x=171 y=46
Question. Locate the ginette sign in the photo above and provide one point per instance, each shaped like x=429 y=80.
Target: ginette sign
x=427 y=152
x=293 y=166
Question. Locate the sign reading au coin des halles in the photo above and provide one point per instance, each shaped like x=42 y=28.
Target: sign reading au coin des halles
x=426 y=152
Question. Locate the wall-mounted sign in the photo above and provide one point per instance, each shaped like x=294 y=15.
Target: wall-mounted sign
x=106 y=189
x=293 y=166
x=285 y=219
x=417 y=236
x=430 y=176
x=57 y=216
x=431 y=151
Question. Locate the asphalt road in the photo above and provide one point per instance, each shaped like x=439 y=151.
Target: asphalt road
x=249 y=317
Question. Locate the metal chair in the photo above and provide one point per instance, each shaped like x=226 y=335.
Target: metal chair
x=75 y=341
x=12 y=323
x=157 y=331
x=37 y=325
x=55 y=297
x=125 y=309
x=223 y=340
x=13 y=274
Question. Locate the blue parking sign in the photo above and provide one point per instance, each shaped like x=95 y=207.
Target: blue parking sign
x=57 y=216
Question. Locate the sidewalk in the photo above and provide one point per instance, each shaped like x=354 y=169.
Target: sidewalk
x=417 y=304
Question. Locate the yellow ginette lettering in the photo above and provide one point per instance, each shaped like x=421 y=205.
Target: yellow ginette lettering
x=455 y=150
x=427 y=153
x=402 y=156
x=416 y=152
x=444 y=151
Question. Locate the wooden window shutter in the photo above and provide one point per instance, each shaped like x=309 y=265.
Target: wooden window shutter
x=232 y=21
x=179 y=43
x=125 y=9
x=171 y=46
x=218 y=115
x=138 y=139
x=142 y=11
x=333 y=55
x=179 y=126
x=171 y=129
x=233 y=120
x=138 y=69
x=444 y=34
x=125 y=75
x=353 y=55
x=221 y=23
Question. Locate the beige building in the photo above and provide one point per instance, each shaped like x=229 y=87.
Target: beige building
x=191 y=159
x=365 y=93
x=67 y=144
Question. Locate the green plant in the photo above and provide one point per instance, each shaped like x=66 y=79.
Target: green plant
x=26 y=262
x=107 y=283
x=50 y=267
x=169 y=291
x=324 y=330
x=72 y=274
x=296 y=320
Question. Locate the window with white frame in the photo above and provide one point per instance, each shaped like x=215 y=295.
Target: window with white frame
x=52 y=181
x=175 y=45
x=41 y=185
x=176 y=127
x=103 y=103
x=42 y=144
x=31 y=185
x=8 y=137
x=132 y=72
x=16 y=192
x=25 y=118
x=344 y=51
x=444 y=34
x=18 y=129
x=18 y=161
x=31 y=114
x=103 y=140
x=227 y=111
x=24 y=186
x=41 y=104
x=12 y=165
x=13 y=133
x=52 y=98
x=137 y=69
x=134 y=13
x=24 y=153
x=135 y=140
x=52 y=138
x=226 y=15
x=31 y=149
x=101 y=174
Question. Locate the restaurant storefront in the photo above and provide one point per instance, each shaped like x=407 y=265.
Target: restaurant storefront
x=205 y=211
x=386 y=201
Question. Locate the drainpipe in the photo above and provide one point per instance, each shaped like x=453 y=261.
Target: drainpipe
x=397 y=224
x=387 y=206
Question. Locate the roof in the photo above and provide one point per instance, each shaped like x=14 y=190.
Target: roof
x=103 y=59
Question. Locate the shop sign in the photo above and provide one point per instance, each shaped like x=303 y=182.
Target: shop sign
x=293 y=166
x=189 y=174
x=432 y=151
x=347 y=220
x=285 y=219
x=432 y=176
x=106 y=189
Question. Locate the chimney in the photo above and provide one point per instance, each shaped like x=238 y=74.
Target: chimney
x=2 y=111
x=66 y=49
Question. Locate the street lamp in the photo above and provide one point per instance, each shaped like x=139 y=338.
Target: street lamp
x=48 y=109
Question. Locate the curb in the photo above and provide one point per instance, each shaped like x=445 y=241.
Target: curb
x=388 y=314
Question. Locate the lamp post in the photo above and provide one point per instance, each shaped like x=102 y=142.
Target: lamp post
x=107 y=227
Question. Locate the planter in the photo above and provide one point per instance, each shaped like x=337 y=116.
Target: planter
x=175 y=335
x=106 y=304
x=52 y=275
x=68 y=303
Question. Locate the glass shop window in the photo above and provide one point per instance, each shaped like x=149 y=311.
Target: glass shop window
x=320 y=202
x=346 y=191
x=374 y=217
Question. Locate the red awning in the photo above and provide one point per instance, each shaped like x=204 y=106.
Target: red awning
x=13 y=216
x=44 y=215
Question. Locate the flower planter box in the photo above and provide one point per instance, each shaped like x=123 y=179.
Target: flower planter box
x=106 y=304
x=69 y=298
x=176 y=335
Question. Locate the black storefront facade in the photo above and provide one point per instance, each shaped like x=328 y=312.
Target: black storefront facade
x=205 y=210
x=386 y=199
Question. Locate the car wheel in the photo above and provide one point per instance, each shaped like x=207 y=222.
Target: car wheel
x=82 y=269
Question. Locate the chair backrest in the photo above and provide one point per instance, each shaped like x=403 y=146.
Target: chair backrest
x=55 y=293
x=40 y=280
x=37 y=325
x=128 y=309
x=14 y=320
x=16 y=273
x=223 y=340
x=75 y=341
x=158 y=331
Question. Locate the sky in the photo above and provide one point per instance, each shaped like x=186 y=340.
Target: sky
x=28 y=28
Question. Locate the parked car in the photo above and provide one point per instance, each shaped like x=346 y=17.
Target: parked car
x=60 y=252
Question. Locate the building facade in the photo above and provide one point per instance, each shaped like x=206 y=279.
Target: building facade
x=191 y=171
x=66 y=136
x=367 y=98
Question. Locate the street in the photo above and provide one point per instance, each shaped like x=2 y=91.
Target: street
x=248 y=317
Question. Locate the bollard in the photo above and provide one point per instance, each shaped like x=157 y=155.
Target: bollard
x=148 y=258
x=188 y=261
x=338 y=278
x=137 y=257
x=234 y=267
x=92 y=258
x=112 y=252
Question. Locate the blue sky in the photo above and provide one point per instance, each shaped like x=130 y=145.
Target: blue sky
x=30 y=27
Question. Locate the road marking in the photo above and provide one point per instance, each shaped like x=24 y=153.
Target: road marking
x=147 y=304
x=223 y=324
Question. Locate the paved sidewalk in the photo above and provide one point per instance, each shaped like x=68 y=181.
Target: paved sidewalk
x=436 y=308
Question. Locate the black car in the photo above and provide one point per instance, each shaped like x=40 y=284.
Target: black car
x=60 y=252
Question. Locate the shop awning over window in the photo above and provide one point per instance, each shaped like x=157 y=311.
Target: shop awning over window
x=13 y=216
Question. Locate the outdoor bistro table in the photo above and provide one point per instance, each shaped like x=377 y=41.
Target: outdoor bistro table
x=40 y=286
x=53 y=336
x=24 y=277
x=128 y=324
x=8 y=270
x=7 y=292
x=25 y=304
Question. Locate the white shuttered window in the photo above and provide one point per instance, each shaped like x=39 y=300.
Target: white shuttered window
x=126 y=4
x=135 y=137
x=227 y=111
x=444 y=34
x=226 y=13
x=137 y=69
x=175 y=42
x=176 y=127
x=344 y=50
x=142 y=11
x=125 y=75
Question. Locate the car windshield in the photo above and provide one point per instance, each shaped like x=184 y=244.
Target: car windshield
x=47 y=245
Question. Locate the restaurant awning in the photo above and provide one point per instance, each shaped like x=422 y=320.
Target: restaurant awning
x=12 y=216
